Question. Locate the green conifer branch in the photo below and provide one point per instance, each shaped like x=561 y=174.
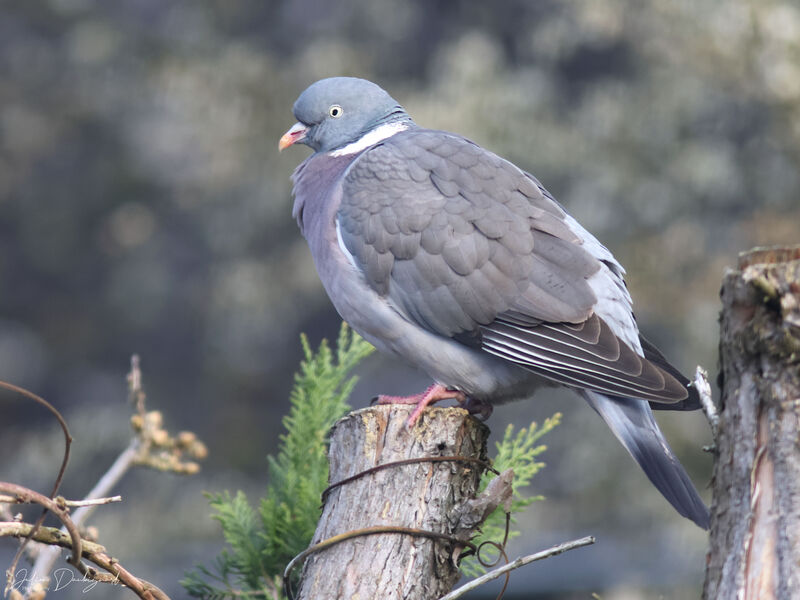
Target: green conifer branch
x=516 y=451
x=261 y=542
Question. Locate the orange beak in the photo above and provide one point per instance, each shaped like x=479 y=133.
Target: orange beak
x=296 y=134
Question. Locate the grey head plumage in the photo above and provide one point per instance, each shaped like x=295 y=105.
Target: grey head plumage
x=337 y=111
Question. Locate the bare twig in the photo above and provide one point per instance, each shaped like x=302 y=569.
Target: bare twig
x=704 y=391
x=151 y=446
x=61 y=501
x=116 y=572
x=61 y=422
x=135 y=389
x=88 y=502
x=517 y=563
x=47 y=557
x=28 y=496
x=47 y=535
x=56 y=484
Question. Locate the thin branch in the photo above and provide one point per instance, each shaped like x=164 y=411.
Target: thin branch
x=517 y=563
x=704 y=391
x=117 y=573
x=47 y=557
x=47 y=535
x=143 y=589
x=151 y=446
x=108 y=481
x=61 y=422
x=89 y=502
x=56 y=484
x=27 y=496
x=61 y=501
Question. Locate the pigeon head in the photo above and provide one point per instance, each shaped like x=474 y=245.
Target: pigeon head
x=338 y=111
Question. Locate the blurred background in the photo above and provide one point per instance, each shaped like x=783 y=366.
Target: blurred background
x=144 y=208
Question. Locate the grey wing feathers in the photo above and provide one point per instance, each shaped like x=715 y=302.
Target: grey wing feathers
x=468 y=246
x=586 y=355
x=653 y=354
x=455 y=235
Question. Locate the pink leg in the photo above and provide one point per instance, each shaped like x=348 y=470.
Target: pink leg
x=433 y=394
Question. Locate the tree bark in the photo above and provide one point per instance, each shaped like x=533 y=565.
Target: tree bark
x=755 y=513
x=432 y=496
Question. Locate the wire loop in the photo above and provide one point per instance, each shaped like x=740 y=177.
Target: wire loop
x=408 y=461
x=471 y=549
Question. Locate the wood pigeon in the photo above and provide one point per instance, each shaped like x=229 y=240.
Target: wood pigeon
x=453 y=259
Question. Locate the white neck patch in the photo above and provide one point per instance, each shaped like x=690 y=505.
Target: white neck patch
x=373 y=137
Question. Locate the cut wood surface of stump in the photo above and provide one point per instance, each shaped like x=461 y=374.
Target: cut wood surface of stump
x=755 y=515
x=427 y=495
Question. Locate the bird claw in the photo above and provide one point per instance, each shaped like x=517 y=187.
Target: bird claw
x=430 y=396
x=480 y=409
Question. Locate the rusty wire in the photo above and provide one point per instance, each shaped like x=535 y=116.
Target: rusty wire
x=472 y=549
x=501 y=548
x=407 y=461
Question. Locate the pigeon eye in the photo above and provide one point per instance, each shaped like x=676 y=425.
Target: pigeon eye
x=335 y=111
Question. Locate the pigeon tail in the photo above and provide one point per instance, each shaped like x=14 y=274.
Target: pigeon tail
x=632 y=422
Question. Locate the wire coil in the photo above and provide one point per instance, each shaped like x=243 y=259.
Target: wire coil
x=471 y=549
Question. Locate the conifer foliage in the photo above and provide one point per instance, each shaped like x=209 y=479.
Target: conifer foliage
x=517 y=451
x=260 y=542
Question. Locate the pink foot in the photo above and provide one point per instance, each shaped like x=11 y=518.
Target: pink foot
x=433 y=394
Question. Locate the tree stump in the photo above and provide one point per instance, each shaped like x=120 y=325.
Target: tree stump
x=755 y=513
x=431 y=496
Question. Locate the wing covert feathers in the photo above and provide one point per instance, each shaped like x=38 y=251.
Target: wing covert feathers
x=454 y=235
x=584 y=355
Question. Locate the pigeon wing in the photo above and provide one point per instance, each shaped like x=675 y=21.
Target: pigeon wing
x=466 y=245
